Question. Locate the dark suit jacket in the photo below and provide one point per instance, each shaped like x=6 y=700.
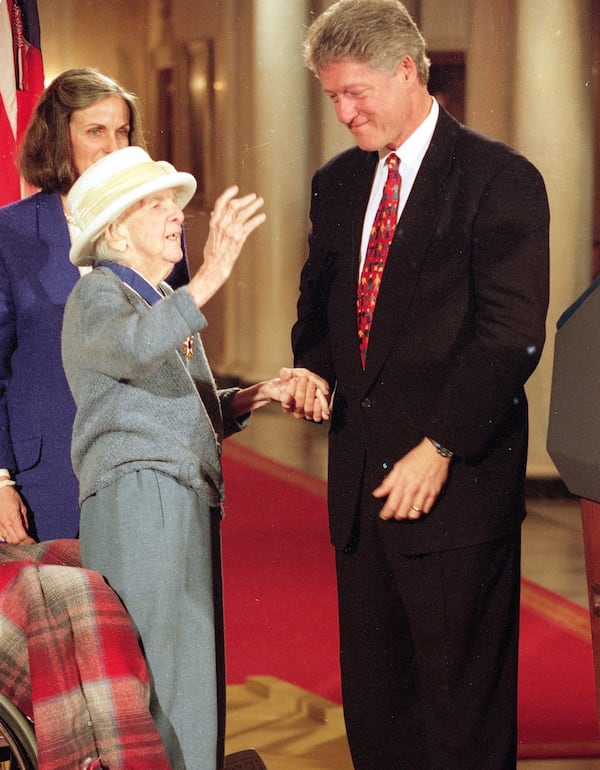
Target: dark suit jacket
x=459 y=327
x=36 y=407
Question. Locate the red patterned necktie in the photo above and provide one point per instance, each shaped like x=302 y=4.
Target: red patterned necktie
x=382 y=233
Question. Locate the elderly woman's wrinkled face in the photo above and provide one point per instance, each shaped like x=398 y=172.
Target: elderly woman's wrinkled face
x=97 y=130
x=150 y=233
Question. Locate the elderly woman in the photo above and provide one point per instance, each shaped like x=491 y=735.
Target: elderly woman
x=149 y=425
x=81 y=116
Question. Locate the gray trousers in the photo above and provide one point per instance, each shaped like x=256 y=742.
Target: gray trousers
x=151 y=539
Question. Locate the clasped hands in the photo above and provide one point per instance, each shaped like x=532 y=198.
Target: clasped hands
x=305 y=395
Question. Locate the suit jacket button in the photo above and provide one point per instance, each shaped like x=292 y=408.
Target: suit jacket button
x=366 y=403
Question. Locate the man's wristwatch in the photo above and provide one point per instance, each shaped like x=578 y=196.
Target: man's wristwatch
x=441 y=450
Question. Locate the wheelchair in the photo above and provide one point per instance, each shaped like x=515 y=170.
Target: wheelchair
x=18 y=745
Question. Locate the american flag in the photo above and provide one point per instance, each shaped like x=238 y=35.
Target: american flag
x=21 y=83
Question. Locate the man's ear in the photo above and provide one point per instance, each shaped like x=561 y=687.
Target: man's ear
x=407 y=69
x=116 y=236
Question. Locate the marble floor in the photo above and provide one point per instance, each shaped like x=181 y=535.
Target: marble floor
x=295 y=731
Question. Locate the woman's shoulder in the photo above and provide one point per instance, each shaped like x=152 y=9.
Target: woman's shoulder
x=96 y=282
x=101 y=287
x=18 y=213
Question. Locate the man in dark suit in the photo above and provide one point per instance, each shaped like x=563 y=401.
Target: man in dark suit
x=428 y=439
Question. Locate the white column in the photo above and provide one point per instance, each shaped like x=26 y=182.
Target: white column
x=553 y=127
x=490 y=60
x=272 y=162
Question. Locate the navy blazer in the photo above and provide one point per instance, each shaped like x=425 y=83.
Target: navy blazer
x=458 y=328
x=36 y=407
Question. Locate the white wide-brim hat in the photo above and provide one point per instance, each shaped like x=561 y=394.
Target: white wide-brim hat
x=114 y=183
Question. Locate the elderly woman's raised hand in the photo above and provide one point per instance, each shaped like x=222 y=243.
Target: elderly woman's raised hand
x=231 y=222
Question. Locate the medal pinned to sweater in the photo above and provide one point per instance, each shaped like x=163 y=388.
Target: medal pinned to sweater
x=188 y=347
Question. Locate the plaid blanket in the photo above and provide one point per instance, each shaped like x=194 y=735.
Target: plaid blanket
x=70 y=660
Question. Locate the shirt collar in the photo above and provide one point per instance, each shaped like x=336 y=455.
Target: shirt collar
x=412 y=150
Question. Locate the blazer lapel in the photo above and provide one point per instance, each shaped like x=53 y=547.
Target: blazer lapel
x=57 y=273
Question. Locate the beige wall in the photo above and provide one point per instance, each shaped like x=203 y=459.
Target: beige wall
x=272 y=128
x=109 y=35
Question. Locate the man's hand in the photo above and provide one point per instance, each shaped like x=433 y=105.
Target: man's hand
x=13 y=517
x=308 y=394
x=414 y=483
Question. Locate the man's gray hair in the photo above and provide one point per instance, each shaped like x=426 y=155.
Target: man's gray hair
x=377 y=33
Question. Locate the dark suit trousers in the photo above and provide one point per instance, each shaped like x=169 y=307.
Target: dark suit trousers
x=429 y=651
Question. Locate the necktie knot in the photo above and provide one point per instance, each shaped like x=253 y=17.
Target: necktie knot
x=391 y=192
x=392 y=162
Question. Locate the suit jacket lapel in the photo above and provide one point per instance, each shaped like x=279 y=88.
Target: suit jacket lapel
x=355 y=189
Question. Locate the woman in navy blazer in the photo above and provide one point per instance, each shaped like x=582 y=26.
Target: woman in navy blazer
x=82 y=115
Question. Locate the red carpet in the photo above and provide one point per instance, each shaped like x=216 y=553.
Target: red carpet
x=281 y=614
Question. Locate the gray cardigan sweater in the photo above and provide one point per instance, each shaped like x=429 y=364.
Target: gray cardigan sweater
x=140 y=402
